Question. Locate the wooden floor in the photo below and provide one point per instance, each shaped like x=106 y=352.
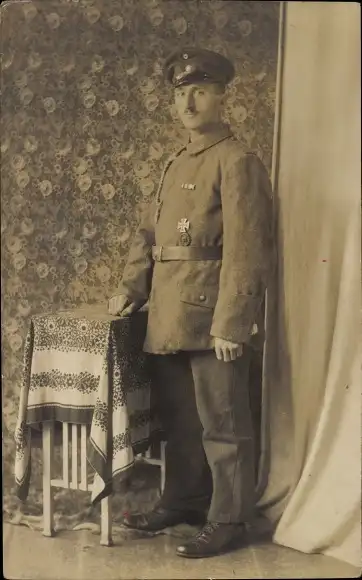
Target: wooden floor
x=77 y=555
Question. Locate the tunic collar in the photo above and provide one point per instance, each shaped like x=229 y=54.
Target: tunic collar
x=209 y=139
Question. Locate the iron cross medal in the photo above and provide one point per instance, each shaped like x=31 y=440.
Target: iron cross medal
x=183 y=226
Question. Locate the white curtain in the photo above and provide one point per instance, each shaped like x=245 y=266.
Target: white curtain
x=312 y=362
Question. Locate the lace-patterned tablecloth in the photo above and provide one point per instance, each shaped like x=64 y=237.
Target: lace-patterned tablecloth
x=86 y=367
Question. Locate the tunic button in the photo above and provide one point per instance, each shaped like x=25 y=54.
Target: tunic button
x=202 y=298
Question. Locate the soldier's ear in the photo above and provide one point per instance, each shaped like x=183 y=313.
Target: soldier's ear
x=222 y=94
x=220 y=89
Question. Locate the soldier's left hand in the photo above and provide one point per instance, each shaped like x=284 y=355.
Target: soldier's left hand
x=227 y=350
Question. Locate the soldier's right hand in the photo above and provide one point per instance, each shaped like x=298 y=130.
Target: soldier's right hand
x=121 y=305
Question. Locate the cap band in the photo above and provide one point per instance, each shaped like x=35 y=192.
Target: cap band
x=195 y=77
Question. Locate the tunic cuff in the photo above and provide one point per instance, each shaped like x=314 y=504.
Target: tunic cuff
x=234 y=320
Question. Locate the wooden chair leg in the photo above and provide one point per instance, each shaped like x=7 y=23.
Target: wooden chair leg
x=163 y=465
x=106 y=522
x=48 y=447
x=65 y=452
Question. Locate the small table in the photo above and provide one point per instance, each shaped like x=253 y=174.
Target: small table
x=86 y=370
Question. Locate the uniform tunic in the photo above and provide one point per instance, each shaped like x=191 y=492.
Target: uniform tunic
x=225 y=195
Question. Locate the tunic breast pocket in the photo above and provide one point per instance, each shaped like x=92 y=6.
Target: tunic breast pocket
x=204 y=296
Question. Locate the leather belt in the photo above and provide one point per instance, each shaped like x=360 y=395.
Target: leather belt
x=166 y=253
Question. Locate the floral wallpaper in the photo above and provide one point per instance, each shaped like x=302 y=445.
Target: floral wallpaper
x=86 y=125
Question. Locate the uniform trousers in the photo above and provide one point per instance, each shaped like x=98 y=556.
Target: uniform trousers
x=204 y=408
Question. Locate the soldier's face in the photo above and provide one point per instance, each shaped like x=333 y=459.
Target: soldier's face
x=199 y=105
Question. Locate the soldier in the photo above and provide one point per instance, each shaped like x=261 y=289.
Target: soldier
x=201 y=256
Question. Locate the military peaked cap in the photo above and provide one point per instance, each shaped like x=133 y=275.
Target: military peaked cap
x=192 y=65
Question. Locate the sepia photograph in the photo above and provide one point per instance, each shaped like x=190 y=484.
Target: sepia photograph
x=180 y=289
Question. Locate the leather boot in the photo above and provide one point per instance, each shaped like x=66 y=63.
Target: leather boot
x=214 y=539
